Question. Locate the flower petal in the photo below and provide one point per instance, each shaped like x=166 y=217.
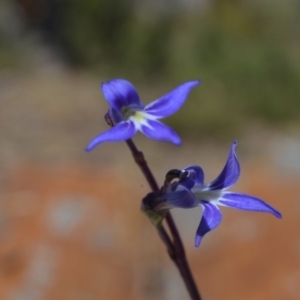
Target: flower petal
x=196 y=173
x=187 y=182
x=119 y=93
x=247 y=202
x=171 y=102
x=154 y=129
x=181 y=199
x=115 y=115
x=211 y=218
x=229 y=174
x=120 y=132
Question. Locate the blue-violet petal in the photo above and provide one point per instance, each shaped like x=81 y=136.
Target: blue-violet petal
x=119 y=93
x=181 y=199
x=247 y=202
x=171 y=102
x=196 y=173
x=187 y=182
x=211 y=218
x=229 y=174
x=115 y=115
x=120 y=132
x=158 y=131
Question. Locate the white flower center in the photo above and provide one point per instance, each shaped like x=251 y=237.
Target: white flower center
x=206 y=195
x=128 y=111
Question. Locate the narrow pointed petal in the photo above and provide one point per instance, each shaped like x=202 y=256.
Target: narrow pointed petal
x=171 y=102
x=229 y=174
x=181 y=199
x=196 y=173
x=120 y=132
x=156 y=130
x=211 y=218
x=247 y=202
x=119 y=93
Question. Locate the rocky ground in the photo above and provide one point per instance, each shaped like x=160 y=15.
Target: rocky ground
x=70 y=224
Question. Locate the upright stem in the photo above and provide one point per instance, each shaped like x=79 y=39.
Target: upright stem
x=176 y=250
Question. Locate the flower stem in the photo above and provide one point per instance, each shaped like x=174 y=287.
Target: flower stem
x=175 y=249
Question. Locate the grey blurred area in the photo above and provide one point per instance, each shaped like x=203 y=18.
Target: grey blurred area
x=246 y=52
x=70 y=223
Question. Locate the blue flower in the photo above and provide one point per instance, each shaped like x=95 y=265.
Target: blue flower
x=129 y=115
x=190 y=191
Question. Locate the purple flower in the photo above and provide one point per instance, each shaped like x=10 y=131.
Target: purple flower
x=129 y=115
x=190 y=191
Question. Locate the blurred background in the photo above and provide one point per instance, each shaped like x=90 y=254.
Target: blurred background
x=70 y=222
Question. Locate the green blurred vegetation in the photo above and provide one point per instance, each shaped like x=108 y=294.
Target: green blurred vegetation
x=9 y=57
x=246 y=53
